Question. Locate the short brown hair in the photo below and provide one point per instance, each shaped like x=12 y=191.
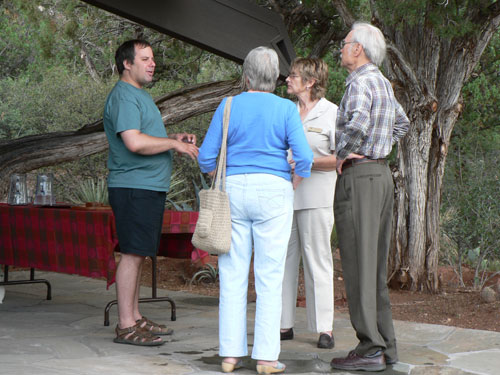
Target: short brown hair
x=312 y=68
x=126 y=52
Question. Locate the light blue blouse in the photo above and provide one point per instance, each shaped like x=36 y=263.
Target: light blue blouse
x=262 y=127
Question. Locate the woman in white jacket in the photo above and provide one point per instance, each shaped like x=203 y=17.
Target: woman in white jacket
x=313 y=206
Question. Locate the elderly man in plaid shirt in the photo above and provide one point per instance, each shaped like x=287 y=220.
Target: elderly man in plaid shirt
x=369 y=122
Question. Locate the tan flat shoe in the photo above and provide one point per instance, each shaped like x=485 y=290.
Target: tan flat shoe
x=230 y=367
x=266 y=369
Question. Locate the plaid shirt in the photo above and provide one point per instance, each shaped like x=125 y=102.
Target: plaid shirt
x=369 y=119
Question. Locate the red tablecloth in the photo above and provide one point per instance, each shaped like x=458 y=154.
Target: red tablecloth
x=177 y=230
x=78 y=241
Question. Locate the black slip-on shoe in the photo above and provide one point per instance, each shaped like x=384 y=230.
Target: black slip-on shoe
x=326 y=341
x=287 y=335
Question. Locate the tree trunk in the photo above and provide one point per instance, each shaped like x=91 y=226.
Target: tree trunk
x=429 y=87
x=28 y=153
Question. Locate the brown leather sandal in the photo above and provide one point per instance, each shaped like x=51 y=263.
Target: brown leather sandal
x=135 y=335
x=154 y=328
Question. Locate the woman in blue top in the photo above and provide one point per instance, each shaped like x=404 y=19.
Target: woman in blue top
x=262 y=128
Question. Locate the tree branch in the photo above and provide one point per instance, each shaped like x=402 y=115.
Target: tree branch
x=491 y=12
x=344 y=12
x=385 y=28
x=89 y=63
x=319 y=49
x=484 y=38
x=398 y=62
x=28 y=153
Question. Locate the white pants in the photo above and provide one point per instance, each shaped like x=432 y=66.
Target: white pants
x=261 y=215
x=310 y=239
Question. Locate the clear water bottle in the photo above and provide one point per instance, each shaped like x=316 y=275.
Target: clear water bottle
x=44 y=190
x=18 y=192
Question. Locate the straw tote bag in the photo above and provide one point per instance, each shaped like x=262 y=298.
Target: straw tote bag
x=213 y=228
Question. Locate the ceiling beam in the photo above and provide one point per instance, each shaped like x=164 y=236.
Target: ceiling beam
x=228 y=28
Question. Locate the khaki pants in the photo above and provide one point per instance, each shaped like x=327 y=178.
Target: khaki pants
x=364 y=197
x=310 y=240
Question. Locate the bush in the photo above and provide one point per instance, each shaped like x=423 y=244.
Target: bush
x=471 y=190
x=50 y=100
x=471 y=208
x=208 y=274
x=91 y=190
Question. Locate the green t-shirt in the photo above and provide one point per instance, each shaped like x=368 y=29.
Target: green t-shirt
x=128 y=107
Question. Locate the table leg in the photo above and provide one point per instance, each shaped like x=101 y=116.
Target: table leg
x=154 y=298
x=31 y=280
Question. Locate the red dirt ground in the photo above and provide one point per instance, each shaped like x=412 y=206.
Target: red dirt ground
x=454 y=306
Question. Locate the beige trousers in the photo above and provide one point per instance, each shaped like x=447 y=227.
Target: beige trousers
x=310 y=240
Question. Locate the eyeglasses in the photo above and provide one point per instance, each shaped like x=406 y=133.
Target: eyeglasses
x=343 y=43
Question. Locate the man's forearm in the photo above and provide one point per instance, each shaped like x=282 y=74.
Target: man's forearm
x=145 y=144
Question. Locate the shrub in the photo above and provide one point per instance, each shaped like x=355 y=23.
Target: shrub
x=208 y=274
x=91 y=190
x=470 y=212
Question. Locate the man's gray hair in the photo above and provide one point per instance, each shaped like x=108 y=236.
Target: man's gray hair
x=372 y=40
x=261 y=69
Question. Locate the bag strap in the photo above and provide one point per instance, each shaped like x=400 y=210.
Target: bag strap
x=220 y=173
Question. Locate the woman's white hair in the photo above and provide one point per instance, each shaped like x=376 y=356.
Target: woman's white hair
x=372 y=40
x=261 y=69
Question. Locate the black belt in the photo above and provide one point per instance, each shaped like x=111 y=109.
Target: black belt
x=352 y=162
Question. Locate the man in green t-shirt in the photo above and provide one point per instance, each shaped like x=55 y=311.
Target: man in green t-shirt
x=140 y=164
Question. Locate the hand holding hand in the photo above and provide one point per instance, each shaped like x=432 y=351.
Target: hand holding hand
x=184 y=137
x=187 y=148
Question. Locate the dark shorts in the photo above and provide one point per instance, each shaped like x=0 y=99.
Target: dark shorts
x=138 y=217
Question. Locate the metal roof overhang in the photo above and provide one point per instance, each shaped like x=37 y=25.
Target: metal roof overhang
x=228 y=28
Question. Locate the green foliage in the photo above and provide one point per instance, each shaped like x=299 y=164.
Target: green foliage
x=336 y=78
x=65 y=30
x=68 y=176
x=482 y=94
x=447 y=18
x=16 y=44
x=208 y=274
x=310 y=20
x=470 y=211
x=91 y=190
x=471 y=205
x=179 y=197
x=48 y=100
x=204 y=185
